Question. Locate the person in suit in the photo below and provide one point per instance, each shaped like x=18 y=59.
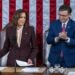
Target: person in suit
x=20 y=40
x=62 y=37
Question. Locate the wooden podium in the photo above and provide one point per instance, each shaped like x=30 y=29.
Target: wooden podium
x=19 y=71
x=22 y=71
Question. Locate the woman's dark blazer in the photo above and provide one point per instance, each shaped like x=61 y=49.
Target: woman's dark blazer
x=27 y=49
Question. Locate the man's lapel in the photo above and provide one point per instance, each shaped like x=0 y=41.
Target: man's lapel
x=59 y=26
x=68 y=26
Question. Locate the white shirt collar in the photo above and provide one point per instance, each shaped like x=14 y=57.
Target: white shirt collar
x=65 y=23
x=20 y=28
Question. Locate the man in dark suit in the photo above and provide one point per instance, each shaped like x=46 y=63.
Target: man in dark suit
x=20 y=40
x=62 y=37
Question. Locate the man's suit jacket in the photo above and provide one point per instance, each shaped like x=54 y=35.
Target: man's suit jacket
x=68 y=48
x=27 y=48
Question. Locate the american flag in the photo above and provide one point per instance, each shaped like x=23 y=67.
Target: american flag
x=41 y=12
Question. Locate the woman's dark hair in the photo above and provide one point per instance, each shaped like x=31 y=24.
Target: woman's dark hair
x=17 y=15
x=65 y=7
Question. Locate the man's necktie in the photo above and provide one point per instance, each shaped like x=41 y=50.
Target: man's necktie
x=63 y=29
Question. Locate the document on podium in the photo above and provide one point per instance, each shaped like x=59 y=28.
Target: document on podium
x=2 y=68
x=33 y=70
x=22 y=63
x=30 y=70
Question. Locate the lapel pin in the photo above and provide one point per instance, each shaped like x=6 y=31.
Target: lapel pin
x=68 y=26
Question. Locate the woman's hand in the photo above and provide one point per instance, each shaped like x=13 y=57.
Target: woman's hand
x=30 y=61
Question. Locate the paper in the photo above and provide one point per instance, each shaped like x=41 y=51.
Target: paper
x=30 y=70
x=71 y=73
x=2 y=68
x=33 y=69
x=22 y=63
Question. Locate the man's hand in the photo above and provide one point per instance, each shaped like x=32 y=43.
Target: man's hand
x=63 y=35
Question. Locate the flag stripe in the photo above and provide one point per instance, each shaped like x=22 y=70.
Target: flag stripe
x=72 y=4
x=46 y=24
x=32 y=13
x=52 y=10
x=46 y=18
x=58 y=4
x=12 y=8
x=19 y=4
x=5 y=12
x=67 y=2
x=39 y=27
x=0 y=14
x=26 y=5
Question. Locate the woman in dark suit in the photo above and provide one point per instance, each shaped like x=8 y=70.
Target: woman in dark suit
x=20 y=40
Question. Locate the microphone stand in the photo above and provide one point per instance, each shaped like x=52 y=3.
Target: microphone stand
x=15 y=61
x=15 y=58
x=15 y=66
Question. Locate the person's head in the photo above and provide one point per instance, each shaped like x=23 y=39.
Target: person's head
x=64 y=13
x=20 y=17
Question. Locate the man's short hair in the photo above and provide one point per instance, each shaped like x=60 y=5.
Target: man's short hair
x=65 y=7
